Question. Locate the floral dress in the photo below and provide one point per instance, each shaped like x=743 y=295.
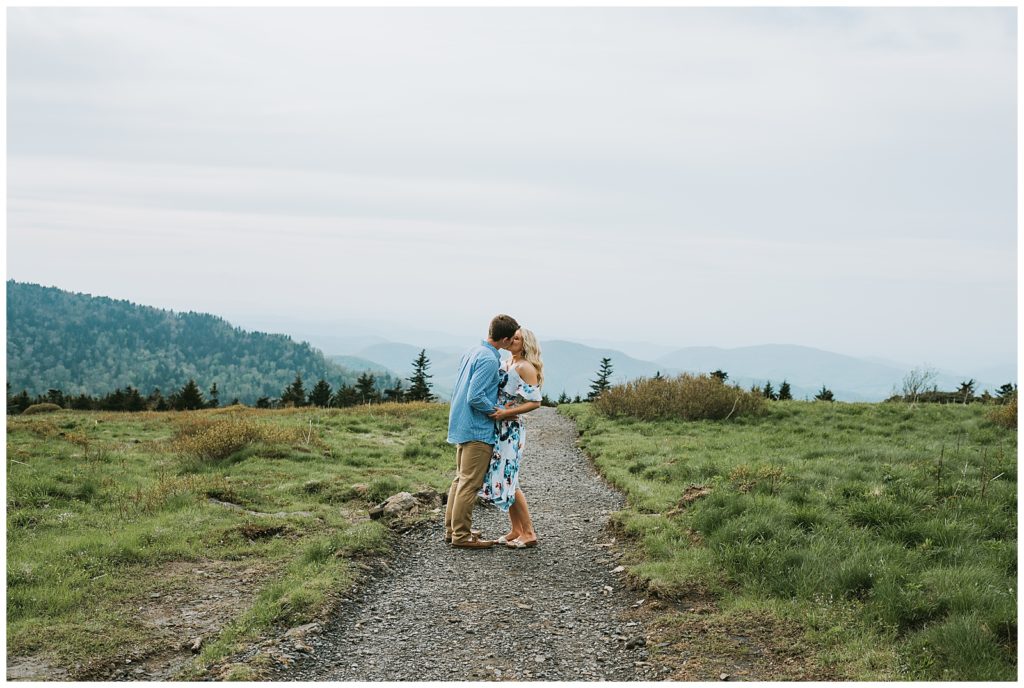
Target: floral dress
x=502 y=477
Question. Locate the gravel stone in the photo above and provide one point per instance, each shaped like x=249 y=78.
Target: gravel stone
x=462 y=615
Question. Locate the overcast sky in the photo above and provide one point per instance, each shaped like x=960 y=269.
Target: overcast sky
x=838 y=178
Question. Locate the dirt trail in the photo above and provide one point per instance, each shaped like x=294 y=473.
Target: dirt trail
x=558 y=613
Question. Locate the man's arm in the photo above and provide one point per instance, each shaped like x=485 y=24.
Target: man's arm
x=481 y=385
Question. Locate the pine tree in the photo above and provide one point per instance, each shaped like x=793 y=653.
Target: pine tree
x=133 y=400
x=601 y=384
x=366 y=388
x=396 y=393
x=214 y=401
x=785 y=393
x=19 y=402
x=263 y=402
x=769 y=391
x=419 y=389
x=1006 y=391
x=720 y=375
x=188 y=398
x=321 y=394
x=345 y=396
x=824 y=395
x=576 y=400
x=563 y=398
x=294 y=394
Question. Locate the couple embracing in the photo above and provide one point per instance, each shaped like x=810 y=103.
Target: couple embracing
x=485 y=427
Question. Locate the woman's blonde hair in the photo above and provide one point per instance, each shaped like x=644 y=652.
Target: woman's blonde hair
x=531 y=353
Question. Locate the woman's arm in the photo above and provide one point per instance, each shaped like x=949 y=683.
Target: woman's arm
x=529 y=375
x=509 y=412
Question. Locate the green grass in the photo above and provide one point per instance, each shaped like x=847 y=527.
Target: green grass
x=99 y=504
x=887 y=532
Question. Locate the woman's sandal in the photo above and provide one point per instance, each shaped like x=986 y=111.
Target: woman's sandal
x=519 y=544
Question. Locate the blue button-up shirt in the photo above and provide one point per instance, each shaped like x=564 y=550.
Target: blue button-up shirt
x=475 y=395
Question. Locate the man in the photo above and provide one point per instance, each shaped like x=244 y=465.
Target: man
x=471 y=430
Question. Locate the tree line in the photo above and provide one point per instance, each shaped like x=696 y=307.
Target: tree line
x=366 y=390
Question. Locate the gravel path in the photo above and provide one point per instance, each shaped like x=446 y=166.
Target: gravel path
x=541 y=613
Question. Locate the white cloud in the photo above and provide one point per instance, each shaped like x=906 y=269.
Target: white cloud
x=810 y=175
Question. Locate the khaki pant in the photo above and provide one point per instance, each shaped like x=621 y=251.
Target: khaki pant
x=471 y=462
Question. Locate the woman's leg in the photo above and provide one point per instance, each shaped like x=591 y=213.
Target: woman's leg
x=522 y=517
x=515 y=521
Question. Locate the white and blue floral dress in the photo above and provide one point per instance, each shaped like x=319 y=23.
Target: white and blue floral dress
x=502 y=477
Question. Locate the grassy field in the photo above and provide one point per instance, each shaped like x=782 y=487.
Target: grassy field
x=106 y=511
x=886 y=534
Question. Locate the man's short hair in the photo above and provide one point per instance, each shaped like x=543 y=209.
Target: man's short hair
x=502 y=327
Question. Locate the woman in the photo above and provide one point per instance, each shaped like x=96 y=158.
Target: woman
x=518 y=393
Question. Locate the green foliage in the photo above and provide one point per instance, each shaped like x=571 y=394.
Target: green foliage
x=825 y=394
x=603 y=381
x=686 y=397
x=88 y=345
x=872 y=525
x=1006 y=413
x=321 y=394
x=420 y=385
x=95 y=521
x=785 y=393
x=40 y=408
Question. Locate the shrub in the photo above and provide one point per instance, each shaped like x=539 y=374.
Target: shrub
x=1005 y=414
x=218 y=439
x=49 y=408
x=685 y=397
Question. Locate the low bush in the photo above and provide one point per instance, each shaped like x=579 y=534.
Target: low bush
x=685 y=397
x=50 y=408
x=219 y=439
x=1005 y=415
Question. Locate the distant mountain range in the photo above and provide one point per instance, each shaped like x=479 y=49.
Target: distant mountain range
x=570 y=367
x=81 y=343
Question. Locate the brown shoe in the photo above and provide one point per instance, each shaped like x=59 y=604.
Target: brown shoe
x=448 y=536
x=473 y=542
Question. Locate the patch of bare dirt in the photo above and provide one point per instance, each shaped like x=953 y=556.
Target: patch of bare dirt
x=194 y=602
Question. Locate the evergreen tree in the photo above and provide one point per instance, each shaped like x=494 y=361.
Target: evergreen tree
x=785 y=393
x=769 y=391
x=824 y=395
x=294 y=394
x=19 y=402
x=188 y=398
x=133 y=401
x=576 y=400
x=321 y=394
x=419 y=389
x=55 y=396
x=83 y=402
x=601 y=384
x=344 y=397
x=563 y=398
x=214 y=401
x=396 y=393
x=263 y=403
x=720 y=375
x=1006 y=391
x=366 y=388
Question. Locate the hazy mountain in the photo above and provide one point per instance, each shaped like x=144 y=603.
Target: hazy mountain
x=850 y=378
x=80 y=343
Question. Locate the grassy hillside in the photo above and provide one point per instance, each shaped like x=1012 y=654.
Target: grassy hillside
x=115 y=551
x=80 y=343
x=886 y=534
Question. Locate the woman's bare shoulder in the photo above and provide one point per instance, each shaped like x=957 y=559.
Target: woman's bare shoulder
x=527 y=371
